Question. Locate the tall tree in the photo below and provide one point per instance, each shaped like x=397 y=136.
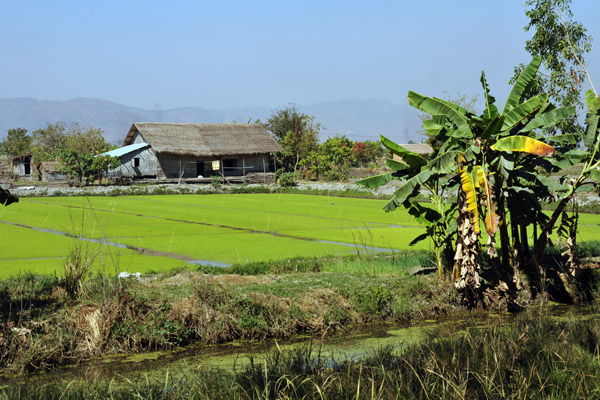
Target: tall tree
x=296 y=132
x=49 y=141
x=86 y=140
x=560 y=42
x=17 y=142
x=80 y=155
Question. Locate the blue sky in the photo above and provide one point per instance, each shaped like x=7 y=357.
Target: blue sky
x=220 y=54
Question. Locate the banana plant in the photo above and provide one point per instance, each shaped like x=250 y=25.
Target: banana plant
x=589 y=175
x=484 y=156
x=439 y=218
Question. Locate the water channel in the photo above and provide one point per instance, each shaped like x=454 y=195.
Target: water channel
x=351 y=344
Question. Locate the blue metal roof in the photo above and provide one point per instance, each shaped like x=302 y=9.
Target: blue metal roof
x=121 y=151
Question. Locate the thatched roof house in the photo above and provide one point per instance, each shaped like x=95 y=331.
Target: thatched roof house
x=204 y=140
x=193 y=150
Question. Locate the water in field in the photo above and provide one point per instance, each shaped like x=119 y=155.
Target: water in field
x=352 y=344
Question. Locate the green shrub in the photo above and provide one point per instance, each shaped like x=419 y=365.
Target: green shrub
x=288 y=179
x=215 y=181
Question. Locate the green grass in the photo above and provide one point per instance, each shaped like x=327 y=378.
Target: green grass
x=222 y=228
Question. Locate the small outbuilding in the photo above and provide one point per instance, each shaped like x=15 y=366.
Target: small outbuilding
x=170 y=150
x=50 y=171
x=23 y=167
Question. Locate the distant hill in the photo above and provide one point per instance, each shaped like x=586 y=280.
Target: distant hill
x=358 y=120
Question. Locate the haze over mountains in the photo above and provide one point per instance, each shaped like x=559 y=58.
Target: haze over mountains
x=358 y=120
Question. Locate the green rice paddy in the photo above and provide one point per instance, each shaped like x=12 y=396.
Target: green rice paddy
x=147 y=233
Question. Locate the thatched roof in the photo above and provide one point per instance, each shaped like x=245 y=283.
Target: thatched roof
x=205 y=139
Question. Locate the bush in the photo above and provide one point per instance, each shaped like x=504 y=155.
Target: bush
x=215 y=181
x=288 y=179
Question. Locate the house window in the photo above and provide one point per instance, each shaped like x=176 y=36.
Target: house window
x=136 y=162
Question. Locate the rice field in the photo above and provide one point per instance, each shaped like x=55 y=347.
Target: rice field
x=150 y=233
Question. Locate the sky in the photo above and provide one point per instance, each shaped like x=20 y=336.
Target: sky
x=225 y=54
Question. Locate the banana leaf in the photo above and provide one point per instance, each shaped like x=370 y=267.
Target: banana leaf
x=491 y=111
x=453 y=106
x=523 y=144
x=539 y=183
x=548 y=119
x=491 y=219
x=410 y=188
x=572 y=157
x=492 y=128
x=375 y=181
x=424 y=215
x=591 y=120
x=419 y=238
x=522 y=111
x=594 y=174
x=521 y=84
x=463 y=132
x=434 y=125
x=396 y=165
x=436 y=107
x=568 y=139
x=590 y=98
x=445 y=163
x=413 y=160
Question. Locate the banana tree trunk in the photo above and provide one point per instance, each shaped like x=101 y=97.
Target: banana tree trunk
x=466 y=258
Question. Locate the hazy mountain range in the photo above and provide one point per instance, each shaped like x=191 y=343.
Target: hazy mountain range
x=358 y=120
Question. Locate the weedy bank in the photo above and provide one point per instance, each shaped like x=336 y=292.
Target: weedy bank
x=50 y=320
x=537 y=357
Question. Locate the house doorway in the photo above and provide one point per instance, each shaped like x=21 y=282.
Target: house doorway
x=200 y=169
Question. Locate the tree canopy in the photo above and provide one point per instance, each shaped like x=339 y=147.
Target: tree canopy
x=562 y=45
x=17 y=142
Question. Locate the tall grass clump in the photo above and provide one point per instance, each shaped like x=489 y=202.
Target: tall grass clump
x=78 y=266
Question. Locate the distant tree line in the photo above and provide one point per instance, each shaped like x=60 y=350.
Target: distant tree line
x=304 y=156
x=77 y=148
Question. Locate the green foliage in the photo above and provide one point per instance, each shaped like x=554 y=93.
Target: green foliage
x=331 y=160
x=559 y=41
x=17 y=142
x=76 y=147
x=366 y=153
x=48 y=142
x=288 y=179
x=495 y=154
x=296 y=132
x=216 y=181
x=80 y=157
x=86 y=166
x=78 y=266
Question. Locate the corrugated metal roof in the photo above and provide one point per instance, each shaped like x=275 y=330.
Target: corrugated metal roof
x=121 y=151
